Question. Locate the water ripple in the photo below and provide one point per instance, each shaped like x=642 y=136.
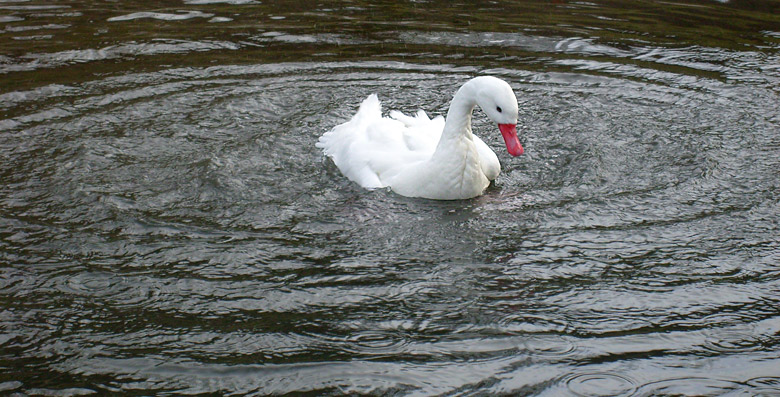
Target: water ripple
x=168 y=227
x=377 y=343
x=600 y=384
x=36 y=61
x=161 y=16
x=689 y=386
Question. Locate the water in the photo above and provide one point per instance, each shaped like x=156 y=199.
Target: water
x=168 y=227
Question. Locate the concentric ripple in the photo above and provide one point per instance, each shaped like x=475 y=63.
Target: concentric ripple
x=600 y=384
x=167 y=225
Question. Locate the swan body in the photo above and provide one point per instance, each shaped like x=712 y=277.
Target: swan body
x=421 y=157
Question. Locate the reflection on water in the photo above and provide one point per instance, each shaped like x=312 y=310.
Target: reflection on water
x=167 y=225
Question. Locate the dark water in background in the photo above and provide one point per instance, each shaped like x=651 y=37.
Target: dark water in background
x=167 y=225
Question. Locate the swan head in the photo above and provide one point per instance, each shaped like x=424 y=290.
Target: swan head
x=496 y=98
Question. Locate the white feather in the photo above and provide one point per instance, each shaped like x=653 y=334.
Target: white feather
x=399 y=151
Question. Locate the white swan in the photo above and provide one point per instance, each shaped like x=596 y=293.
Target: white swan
x=420 y=157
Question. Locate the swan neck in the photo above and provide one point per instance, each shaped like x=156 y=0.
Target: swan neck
x=458 y=123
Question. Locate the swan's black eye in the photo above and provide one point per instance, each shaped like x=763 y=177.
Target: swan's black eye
x=498 y=108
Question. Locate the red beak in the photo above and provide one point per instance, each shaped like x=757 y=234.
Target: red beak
x=509 y=132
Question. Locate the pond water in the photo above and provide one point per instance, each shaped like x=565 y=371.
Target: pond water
x=168 y=227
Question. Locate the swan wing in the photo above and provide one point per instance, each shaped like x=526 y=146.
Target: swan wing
x=421 y=134
x=488 y=160
x=370 y=149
